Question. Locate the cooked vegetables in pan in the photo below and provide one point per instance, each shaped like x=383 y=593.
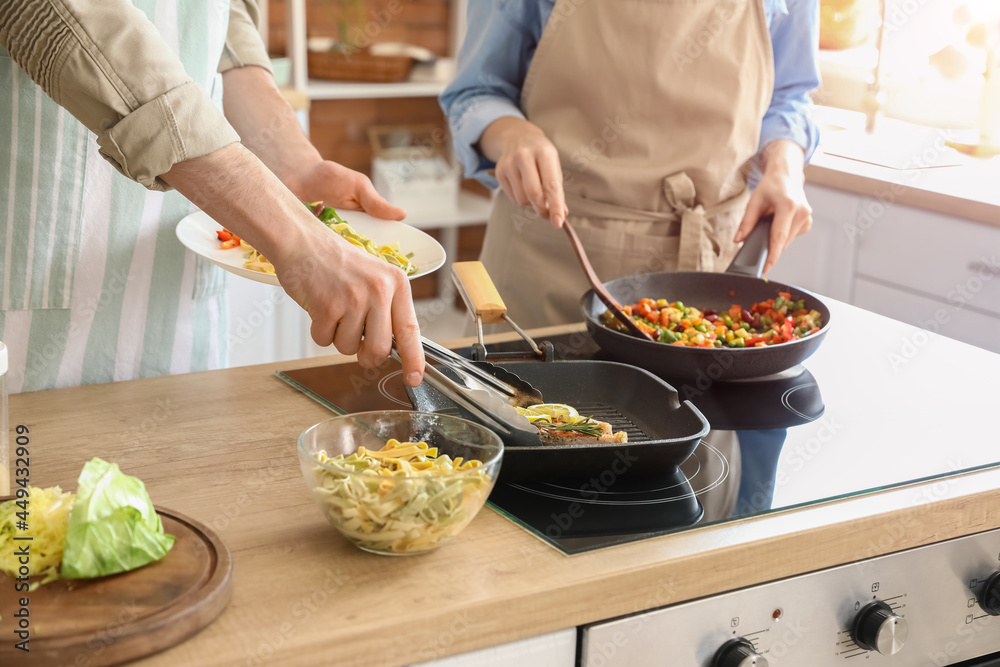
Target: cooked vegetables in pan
x=328 y=216
x=768 y=322
x=406 y=497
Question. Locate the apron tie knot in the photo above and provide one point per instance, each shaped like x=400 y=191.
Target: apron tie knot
x=696 y=251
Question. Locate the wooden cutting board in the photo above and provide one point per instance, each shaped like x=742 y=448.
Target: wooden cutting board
x=114 y=619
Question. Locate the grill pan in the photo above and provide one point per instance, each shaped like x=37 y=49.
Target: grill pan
x=663 y=431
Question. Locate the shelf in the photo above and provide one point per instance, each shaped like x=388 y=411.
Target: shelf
x=471 y=209
x=425 y=81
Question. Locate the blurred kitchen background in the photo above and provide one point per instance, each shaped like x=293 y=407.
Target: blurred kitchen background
x=905 y=188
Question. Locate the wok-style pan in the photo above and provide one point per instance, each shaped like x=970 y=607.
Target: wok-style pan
x=740 y=284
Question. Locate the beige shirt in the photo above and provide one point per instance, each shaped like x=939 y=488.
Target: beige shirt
x=106 y=64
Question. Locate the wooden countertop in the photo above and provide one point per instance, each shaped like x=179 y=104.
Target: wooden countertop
x=220 y=447
x=964 y=189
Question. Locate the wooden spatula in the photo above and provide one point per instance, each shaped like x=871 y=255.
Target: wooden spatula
x=598 y=286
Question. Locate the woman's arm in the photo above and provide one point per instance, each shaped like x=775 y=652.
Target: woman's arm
x=489 y=129
x=788 y=134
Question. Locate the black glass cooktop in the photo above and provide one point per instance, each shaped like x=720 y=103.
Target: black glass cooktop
x=880 y=404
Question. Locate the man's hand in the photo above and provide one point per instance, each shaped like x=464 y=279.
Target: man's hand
x=342 y=188
x=347 y=292
x=268 y=127
x=528 y=166
x=781 y=192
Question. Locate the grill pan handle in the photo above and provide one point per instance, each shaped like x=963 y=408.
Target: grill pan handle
x=478 y=291
x=749 y=261
x=483 y=301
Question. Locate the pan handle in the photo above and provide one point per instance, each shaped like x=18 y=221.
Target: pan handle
x=478 y=291
x=749 y=261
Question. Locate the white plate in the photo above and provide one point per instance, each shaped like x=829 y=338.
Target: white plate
x=197 y=233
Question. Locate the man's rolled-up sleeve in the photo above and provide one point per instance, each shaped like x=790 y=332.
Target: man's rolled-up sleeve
x=108 y=66
x=243 y=43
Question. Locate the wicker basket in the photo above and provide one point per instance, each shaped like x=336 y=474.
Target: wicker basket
x=358 y=66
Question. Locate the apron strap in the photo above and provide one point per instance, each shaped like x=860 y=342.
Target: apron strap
x=585 y=207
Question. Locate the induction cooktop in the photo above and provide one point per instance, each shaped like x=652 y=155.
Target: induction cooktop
x=880 y=404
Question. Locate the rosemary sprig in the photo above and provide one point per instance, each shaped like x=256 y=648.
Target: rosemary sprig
x=583 y=426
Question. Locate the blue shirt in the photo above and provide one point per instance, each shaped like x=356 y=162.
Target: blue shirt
x=501 y=41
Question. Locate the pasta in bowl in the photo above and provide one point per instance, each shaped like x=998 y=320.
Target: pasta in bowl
x=399 y=482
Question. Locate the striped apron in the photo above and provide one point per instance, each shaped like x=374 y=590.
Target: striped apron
x=94 y=285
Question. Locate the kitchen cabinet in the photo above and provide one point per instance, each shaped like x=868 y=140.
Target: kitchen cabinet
x=945 y=259
x=556 y=649
x=822 y=261
x=965 y=324
x=932 y=270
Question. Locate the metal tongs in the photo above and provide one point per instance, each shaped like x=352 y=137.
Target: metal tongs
x=486 y=397
x=485 y=390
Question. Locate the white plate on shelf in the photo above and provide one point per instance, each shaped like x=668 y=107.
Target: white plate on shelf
x=197 y=233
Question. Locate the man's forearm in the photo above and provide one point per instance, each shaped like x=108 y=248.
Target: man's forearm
x=266 y=122
x=235 y=188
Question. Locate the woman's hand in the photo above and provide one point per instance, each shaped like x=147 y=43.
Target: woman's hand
x=528 y=167
x=342 y=188
x=781 y=192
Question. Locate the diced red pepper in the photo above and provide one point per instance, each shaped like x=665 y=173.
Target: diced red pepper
x=786 y=328
x=224 y=234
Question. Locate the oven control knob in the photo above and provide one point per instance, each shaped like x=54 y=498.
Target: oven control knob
x=989 y=596
x=876 y=628
x=738 y=653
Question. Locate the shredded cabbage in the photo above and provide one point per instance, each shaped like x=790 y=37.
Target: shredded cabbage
x=48 y=513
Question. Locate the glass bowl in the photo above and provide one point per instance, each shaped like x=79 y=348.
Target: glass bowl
x=401 y=513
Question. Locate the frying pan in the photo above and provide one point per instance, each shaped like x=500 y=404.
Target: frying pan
x=715 y=291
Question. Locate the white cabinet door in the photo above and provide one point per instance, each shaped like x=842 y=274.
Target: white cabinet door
x=941 y=257
x=822 y=261
x=955 y=322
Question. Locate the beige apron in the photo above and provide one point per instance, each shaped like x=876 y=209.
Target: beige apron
x=655 y=107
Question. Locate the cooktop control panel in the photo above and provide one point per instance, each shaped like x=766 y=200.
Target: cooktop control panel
x=935 y=605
